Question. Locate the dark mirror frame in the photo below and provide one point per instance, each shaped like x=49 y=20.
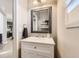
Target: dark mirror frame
x=50 y=22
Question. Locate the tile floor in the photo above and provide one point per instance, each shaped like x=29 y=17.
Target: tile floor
x=6 y=50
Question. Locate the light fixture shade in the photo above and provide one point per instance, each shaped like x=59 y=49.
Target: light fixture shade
x=35 y=2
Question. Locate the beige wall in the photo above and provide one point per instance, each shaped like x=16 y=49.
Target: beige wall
x=68 y=39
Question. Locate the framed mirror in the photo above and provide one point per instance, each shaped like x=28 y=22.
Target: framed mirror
x=41 y=20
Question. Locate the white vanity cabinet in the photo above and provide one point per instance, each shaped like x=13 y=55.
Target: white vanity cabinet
x=36 y=48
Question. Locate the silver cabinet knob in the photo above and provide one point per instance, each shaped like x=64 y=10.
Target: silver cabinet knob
x=35 y=47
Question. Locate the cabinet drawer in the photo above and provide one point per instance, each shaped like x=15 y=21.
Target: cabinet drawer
x=34 y=54
x=37 y=46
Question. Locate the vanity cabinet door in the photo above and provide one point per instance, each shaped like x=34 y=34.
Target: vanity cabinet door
x=34 y=54
x=27 y=53
x=36 y=50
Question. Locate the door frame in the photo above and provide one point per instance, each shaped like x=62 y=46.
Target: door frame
x=15 y=43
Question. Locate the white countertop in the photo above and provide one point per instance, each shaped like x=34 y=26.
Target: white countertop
x=39 y=40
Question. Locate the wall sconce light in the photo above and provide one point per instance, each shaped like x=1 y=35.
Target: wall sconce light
x=43 y=1
x=37 y=2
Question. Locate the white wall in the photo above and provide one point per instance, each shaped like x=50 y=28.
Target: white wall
x=3 y=27
x=21 y=16
x=1 y=23
x=68 y=39
x=6 y=6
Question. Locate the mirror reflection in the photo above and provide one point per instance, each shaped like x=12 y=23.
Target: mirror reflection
x=41 y=20
x=6 y=29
